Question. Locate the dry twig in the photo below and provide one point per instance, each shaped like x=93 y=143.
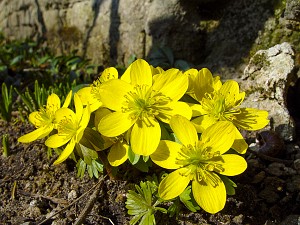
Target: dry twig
x=83 y=195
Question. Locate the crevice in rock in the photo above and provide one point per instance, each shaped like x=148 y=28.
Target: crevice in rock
x=96 y=8
x=41 y=21
x=293 y=105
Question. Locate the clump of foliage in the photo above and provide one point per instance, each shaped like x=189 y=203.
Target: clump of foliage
x=186 y=122
x=24 y=63
x=163 y=57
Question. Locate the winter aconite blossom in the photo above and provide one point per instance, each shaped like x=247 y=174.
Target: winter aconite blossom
x=139 y=100
x=44 y=119
x=221 y=102
x=90 y=95
x=70 y=128
x=199 y=161
x=119 y=146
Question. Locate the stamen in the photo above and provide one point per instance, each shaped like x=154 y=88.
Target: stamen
x=67 y=126
x=144 y=103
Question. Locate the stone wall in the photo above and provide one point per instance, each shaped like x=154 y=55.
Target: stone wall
x=107 y=31
x=220 y=35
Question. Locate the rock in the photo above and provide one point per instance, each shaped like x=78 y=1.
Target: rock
x=279 y=169
x=293 y=185
x=291 y=220
x=297 y=165
x=292 y=10
x=72 y=195
x=108 y=32
x=266 y=80
x=238 y=219
x=269 y=196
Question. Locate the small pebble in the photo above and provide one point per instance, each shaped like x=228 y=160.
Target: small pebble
x=72 y=195
x=33 y=203
x=297 y=165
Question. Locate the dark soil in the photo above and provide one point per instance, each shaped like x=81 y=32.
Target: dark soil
x=32 y=189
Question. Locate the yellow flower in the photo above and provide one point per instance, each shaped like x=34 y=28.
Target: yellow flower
x=119 y=146
x=138 y=102
x=91 y=95
x=70 y=128
x=221 y=103
x=199 y=161
x=43 y=119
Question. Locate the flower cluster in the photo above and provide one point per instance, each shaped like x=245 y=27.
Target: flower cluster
x=132 y=114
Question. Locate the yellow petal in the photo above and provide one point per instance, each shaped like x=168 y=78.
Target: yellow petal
x=203 y=83
x=184 y=130
x=108 y=74
x=232 y=164
x=140 y=73
x=99 y=114
x=66 y=152
x=39 y=119
x=114 y=124
x=251 y=119
x=145 y=136
x=197 y=110
x=239 y=144
x=83 y=123
x=68 y=100
x=113 y=93
x=126 y=75
x=36 y=134
x=171 y=83
x=203 y=122
x=217 y=84
x=118 y=153
x=173 y=184
x=156 y=70
x=219 y=137
x=78 y=107
x=53 y=103
x=174 y=108
x=210 y=195
x=63 y=113
x=191 y=74
x=166 y=154
x=230 y=89
x=86 y=96
x=181 y=108
x=56 y=141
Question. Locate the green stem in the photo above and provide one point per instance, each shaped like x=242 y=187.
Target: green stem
x=109 y=169
x=5 y=145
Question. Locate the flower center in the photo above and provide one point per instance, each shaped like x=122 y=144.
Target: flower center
x=96 y=86
x=216 y=105
x=44 y=117
x=199 y=161
x=144 y=102
x=67 y=127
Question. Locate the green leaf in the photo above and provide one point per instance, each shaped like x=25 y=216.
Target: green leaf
x=165 y=134
x=92 y=139
x=97 y=165
x=142 y=165
x=187 y=199
x=6 y=103
x=140 y=204
x=229 y=185
x=16 y=60
x=88 y=154
x=81 y=166
x=133 y=158
x=181 y=65
x=90 y=171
